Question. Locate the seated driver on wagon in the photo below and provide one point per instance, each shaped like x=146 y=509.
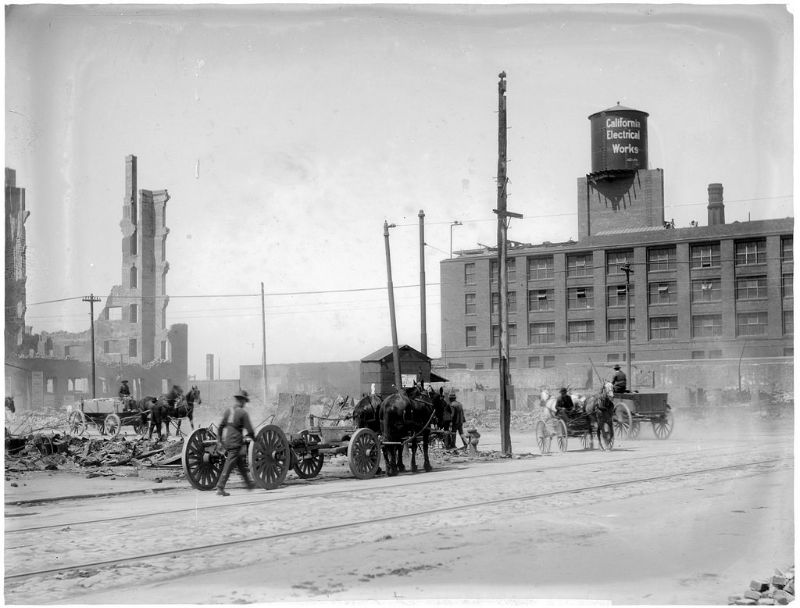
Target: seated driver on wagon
x=565 y=408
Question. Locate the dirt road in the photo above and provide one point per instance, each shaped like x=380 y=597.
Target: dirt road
x=689 y=520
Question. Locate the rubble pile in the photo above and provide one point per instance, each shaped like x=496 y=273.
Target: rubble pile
x=45 y=452
x=779 y=589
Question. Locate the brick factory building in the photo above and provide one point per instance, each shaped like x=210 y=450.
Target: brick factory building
x=701 y=292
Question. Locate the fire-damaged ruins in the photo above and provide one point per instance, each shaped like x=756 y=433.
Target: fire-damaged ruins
x=131 y=338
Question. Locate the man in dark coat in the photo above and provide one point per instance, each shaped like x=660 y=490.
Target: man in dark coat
x=457 y=420
x=620 y=380
x=564 y=406
x=235 y=421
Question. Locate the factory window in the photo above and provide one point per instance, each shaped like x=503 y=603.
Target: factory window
x=787 y=285
x=580 y=331
x=788 y=322
x=616 y=295
x=787 y=249
x=495 y=303
x=132 y=347
x=479 y=365
x=788 y=351
x=541 y=333
x=663 y=327
x=469 y=304
x=114 y=313
x=511 y=302
x=133 y=243
x=471 y=335
x=580 y=298
x=495 y=335
x=698 y=354
x=706 y=290
x=132 y=280
x=540 y=299
x=705 y=255
x=511 y=269
x=134 y=313
x=616 y=330
x=662 y=258
x=495 y=363
x=706 y=326
x=534 y=361
x=665 y=292
x=493 y=265
x=615 y=260
x=540 y=268
x=512 y=334
x=163 y=318
x=751 y=324
x=751 y=252
x=579 y=265
x=50 y=386
x=164 y=350
x=715 y=354
x=106 y=346
x=751 y=288
x=548 y=361
x=469 y=274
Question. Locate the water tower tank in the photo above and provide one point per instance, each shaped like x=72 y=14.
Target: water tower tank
x=619 y=140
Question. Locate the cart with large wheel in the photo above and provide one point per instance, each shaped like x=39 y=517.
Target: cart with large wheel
x=105 y=414
x=648 y=407
x=579 y=426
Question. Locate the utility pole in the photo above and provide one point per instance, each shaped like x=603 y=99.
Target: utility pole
x=92 y=299
x=626 y=268
x=264 y=343
x=398 y=380
x=423 y=339
x=502 y=232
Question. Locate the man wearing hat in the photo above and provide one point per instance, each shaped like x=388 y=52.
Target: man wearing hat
x=235 y=420
x=620 y=380
x=457 y=420
x=564 y=406
x=125 y=394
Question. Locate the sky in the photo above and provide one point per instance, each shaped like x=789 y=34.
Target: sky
x=286 y=135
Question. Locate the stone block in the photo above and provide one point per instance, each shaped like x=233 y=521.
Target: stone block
x=752 y=595
x=759 y=585
x=782 y=597
x=766 y=601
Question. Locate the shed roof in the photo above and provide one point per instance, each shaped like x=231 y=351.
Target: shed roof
x=386 y=352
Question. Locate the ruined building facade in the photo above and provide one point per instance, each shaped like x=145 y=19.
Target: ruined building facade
x=132 y=339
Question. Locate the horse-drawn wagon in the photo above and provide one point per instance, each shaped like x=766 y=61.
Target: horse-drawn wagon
x=106 y=414
x=587 y=418
x=647 y=407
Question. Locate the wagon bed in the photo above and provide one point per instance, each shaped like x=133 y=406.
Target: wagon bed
x=648 y=407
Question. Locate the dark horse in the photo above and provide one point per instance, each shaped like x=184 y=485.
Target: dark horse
x=184 y=408
x=154 y=411
x=600 y=409
x=10 y=404
x=409 y=412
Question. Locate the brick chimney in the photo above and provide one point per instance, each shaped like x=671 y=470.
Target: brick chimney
x=716 y=208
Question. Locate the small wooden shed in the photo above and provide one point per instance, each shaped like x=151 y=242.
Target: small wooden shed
x=378 y=368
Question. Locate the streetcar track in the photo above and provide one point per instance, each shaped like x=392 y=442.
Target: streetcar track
x=269 y=498
x=367 y=522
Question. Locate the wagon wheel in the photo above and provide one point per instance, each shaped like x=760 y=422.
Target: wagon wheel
x=112 y=425
x=308 y=465
x=606 y=435
x=269 y=457
x=202 y=465
x=364 y=453
x=77 y=422
x=542 y=437
x=622 y=420
x=141 y=427
x=636 y=427
x=561 y=436
x=662 y=427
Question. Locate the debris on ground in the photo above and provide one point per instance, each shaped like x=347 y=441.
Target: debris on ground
x=777 y=589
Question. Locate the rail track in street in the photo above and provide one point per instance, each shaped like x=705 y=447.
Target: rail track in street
x=75 y=554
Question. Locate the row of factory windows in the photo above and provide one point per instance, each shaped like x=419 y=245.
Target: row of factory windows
x=704 y=255
x=660 y=328
x=660 y=292
x=114 y=313
x=549 y=361
x=115 y=347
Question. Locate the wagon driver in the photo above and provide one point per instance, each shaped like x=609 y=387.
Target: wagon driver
x=620 y=380
x=125 y=393
x=564 y=406
x=235 y=421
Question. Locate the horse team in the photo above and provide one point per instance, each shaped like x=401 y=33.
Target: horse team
x=175 y=405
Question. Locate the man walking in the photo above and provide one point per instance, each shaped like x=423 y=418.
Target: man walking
x=235 y=420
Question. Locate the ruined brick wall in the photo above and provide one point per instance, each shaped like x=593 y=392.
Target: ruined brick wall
x=16 y=272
